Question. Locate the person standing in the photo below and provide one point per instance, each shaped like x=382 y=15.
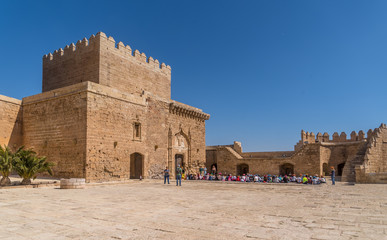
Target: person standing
x=333 y=173
x=166 y=175
x=179 y=171
x=201 y=170
x=213 y=170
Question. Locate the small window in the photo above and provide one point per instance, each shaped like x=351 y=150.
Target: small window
x=137 y=131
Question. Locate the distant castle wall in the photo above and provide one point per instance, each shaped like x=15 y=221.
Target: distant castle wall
x=307 y=137
x=10 y=122
x=100 y=60
x=374 y=167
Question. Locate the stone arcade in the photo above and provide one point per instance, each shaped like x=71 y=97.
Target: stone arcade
x=105 y=114
x=357 y=159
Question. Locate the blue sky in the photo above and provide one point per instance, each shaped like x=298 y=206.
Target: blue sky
x=264 y=70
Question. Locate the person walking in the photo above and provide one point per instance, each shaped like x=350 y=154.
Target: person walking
x=333 y=173
x=179 y=171
x=166 y=175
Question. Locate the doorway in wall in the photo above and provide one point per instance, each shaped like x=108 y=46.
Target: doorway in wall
x=340 y=168
x=242 y=169
x=286 y=169
x=179 y=160
x=136 y=165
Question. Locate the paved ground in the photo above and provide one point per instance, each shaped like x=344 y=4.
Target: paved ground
x=197 y=210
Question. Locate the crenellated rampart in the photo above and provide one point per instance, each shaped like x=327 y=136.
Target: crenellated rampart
x=307 y=137
x=99 y=59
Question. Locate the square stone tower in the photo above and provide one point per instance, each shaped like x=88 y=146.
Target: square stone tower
x=101 y=61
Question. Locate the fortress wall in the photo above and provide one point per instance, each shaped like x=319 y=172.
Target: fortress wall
x=374 y=168
x=98 y=59
x=10 y=122
x=71 y=65
x=55 y=126
x=111 y=137
x=196 y=132
x=131 y=71
x=306 y=161
x=278 y=154
x=377 y=152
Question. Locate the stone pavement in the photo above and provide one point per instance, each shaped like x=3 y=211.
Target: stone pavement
x=197 y=210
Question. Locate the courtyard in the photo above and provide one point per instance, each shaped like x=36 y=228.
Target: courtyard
x=198 y=210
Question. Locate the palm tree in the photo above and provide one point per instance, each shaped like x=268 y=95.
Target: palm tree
x=6 y=158
x=28 y=165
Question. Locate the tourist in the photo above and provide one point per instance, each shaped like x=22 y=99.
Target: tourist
x=333 y=175
x=205 y=170
x=213 y=170
x=166 y=175
x=179 y=171
x=305 y=179
x=299 y=179
x=243 y=178
x=201 y=170
x=256 y=179
x=285 y=179
x=315 y=180
x=322 y=179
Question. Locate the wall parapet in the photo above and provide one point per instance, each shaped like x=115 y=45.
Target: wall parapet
x=95 y=40
x=307 y=137
x=187 y=111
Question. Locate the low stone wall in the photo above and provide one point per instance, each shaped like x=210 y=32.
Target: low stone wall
x=72 y=183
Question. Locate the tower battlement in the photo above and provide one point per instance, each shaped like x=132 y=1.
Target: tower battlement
x=99 y=59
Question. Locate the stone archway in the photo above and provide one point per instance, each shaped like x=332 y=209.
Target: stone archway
x=340 y=168
x=136 y=165
x=286 y=169
x=242 y=169
x=179 y=161
x=180 y=149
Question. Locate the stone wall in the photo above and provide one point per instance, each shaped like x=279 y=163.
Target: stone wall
x=132 y=72
x=374 y=168
x=112 y=141
x=71 y=65
x=10 y=122
x=100 y=60
x=54 y=125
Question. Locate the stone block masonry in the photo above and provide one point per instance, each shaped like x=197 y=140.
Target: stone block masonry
x=102 y=61
x=10 y=122
x=106 y=114
x=358 y=159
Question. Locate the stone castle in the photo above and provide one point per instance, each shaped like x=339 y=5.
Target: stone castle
x=357 y=159
x=105 y=113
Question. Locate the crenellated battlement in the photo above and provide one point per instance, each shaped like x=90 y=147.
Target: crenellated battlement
x=307 y=137
x=101 y=60
x=83 y=45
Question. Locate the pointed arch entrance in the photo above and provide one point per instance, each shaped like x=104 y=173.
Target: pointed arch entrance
x=242 y=169
x=136 y=165
x=286 y=169
x=179 y=150
x=340 y=168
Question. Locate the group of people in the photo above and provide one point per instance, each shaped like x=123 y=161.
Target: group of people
x=291 y=178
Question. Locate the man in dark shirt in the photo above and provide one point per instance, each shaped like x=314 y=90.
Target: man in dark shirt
x=166 y=175
x=333 y=175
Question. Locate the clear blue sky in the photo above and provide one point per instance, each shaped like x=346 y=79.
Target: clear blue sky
x=264 y=70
